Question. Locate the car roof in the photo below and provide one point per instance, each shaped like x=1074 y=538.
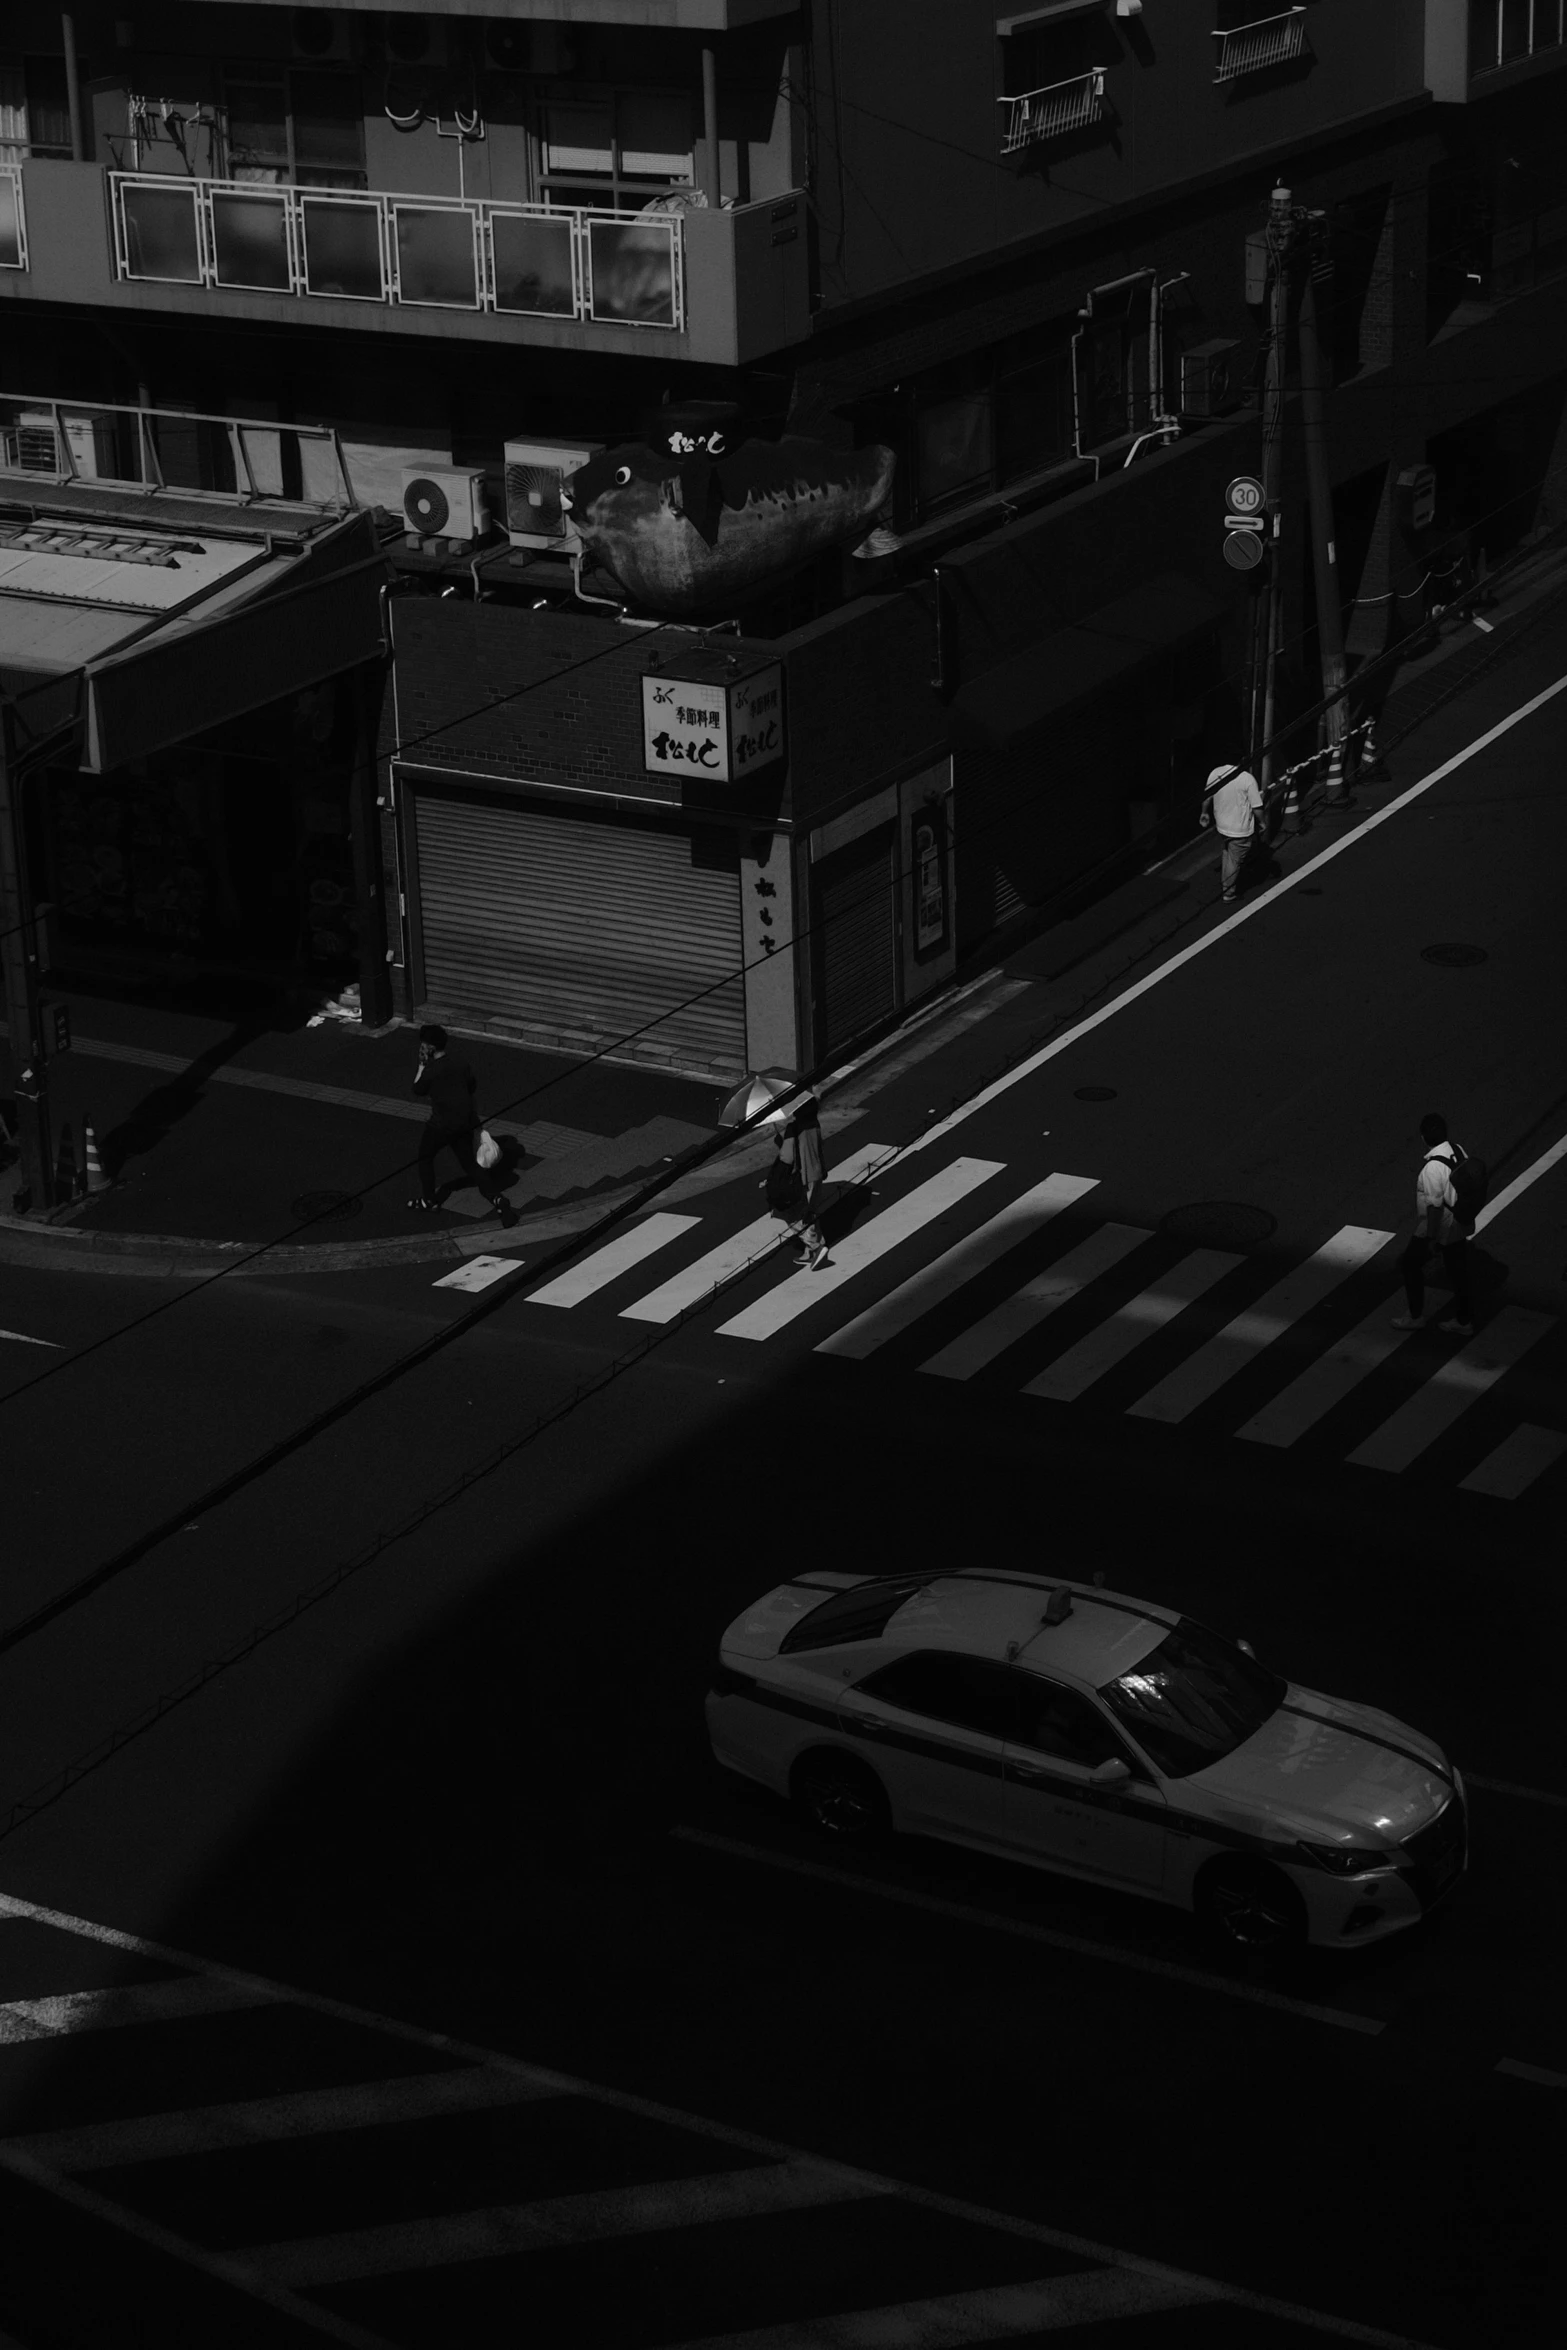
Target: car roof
x=1000 y=1615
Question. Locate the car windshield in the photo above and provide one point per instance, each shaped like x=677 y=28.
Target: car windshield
x=860 y=1614
x=1193 y=1699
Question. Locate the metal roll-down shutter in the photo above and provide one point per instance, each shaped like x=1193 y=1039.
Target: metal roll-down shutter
x=583 y=932
x=856 y=937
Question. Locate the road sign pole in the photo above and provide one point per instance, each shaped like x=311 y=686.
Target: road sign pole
x=19 y=963
x=1330 y=609
x=1280 y=237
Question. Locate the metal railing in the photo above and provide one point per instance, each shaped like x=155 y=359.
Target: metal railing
x=13 y=218
x=1049 y=113
x=424 y=252
x=150 y=448
x=1250 y=48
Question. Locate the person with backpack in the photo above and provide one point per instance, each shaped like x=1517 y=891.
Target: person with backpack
x=1449 y=1194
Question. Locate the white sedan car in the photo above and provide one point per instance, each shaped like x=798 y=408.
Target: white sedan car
x=1077 y=1730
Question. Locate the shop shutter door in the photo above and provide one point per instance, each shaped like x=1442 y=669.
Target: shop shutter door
x=584 y=933
x=856 y=938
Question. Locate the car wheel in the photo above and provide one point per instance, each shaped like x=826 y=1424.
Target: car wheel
x=842 y=1798
x=1252 y=1907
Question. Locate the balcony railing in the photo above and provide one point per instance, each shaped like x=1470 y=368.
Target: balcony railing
x=429 y=252
x=1250 y=48
x=1049 y=113
x=13 y=218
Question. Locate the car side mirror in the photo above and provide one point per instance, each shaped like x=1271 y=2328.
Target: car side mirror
x=1247 y=1649
x=1111 y=1773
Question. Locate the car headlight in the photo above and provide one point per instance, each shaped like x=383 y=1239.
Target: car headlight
x=1345 y=1860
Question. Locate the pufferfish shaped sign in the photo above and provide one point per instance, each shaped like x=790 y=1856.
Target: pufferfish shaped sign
x=696 y=519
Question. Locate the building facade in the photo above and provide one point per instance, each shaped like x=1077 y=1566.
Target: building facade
x=1015 y=246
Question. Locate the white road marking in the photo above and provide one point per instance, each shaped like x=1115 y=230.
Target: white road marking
x=1029 y=2231
x=267 y=2121
x=1328 y=1380
x=1520 y=1183
x=891 y=1315
x=972 y=1349
x=862 y=1247
x=742 y=1248
x=136 y=2003
x=617 y=1256
x=1222 y=930
x=1020 y=1931
x=478 y=1273
x=1230 y=1349
x=949 y=2321
x=21 y=1338
x=1516 y=1462
x=1124 y=1330
x=1531 y=2072
x=1511 y=1787
x=1449 y=1392
x=593 y=2218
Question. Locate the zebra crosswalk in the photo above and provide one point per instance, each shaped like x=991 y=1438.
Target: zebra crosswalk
x=1117 y=1315
x=349 y=2178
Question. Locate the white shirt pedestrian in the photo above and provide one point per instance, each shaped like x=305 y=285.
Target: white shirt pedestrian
x=1236 y=803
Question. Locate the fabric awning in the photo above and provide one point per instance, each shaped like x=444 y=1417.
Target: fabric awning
x=1078 y=662
x=268 y=625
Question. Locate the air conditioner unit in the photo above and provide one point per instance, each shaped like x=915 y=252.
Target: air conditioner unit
x=441 y=505
x=534 y=473
x=1210 y=377
x=529 y=47
x=319 y=36
x=91 y=440
x=414 y=40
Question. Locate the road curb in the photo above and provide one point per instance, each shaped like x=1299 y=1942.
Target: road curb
x=171 y=1256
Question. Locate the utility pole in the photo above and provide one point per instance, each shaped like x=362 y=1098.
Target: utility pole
x=19 y=962
x=1324 y=554
x=1280 y=236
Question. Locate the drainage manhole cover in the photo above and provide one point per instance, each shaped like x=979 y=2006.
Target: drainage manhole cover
x=1220 y=1223
x=1454 y=955
x=1095 y=1093
x=325 y=1207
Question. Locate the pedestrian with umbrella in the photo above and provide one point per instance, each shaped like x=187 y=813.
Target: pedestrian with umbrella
x=781 y=1099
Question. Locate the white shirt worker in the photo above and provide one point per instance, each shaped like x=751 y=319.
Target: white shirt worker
x=1236 y=805
x=1435 y=1198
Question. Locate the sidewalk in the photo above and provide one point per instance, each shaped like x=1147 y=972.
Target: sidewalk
x=258 y=1133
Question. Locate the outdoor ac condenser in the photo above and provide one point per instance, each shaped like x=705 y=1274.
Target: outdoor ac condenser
x=441 y=505
x=534 y=473
x=1210 y=377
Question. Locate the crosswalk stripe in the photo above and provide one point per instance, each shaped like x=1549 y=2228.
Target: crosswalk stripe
x=257 y=2121
x=617 y=1256
x=1027 y=1307
x=137 y=2003
x=22 y=1339
x=1449 y=1392
x=1117 y=1336
x=862 y=1247
x=1516 y=1462
x=1205 y=1372
x=699 y=1280
x=508 y=2229
x=1328 y=1380
x=996 y=2313
x=903 y=1306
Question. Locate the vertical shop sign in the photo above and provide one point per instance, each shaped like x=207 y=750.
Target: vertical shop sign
x=930 y=879
x=725 y=728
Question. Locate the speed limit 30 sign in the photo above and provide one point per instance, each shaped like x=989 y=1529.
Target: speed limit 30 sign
x=1245 y=496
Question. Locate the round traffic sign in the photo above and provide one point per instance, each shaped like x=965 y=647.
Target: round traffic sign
x=1245 y=495
x=1243 y=549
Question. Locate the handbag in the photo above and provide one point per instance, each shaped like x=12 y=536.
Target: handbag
x=486 y=1150
x=785 y=1191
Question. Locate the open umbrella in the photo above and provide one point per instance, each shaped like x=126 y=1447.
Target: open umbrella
x=776 y=1092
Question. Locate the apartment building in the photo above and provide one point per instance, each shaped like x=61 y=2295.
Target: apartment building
x=1014 y=246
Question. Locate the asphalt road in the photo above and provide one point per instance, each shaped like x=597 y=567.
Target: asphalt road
x=466 y=1786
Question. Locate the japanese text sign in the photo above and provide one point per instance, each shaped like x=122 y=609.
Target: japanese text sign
x=724 y=731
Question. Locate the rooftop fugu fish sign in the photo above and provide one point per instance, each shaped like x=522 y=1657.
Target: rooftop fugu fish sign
x=696 y=524
x=724 y=727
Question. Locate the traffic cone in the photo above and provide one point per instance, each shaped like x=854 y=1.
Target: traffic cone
x=1291 y=817
x=92 y=1176
x=1337 y=789
x=1371 y=766
x=65 y=1166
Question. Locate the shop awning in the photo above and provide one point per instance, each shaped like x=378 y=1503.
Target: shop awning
x=153 y=653
x=1076 y=663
